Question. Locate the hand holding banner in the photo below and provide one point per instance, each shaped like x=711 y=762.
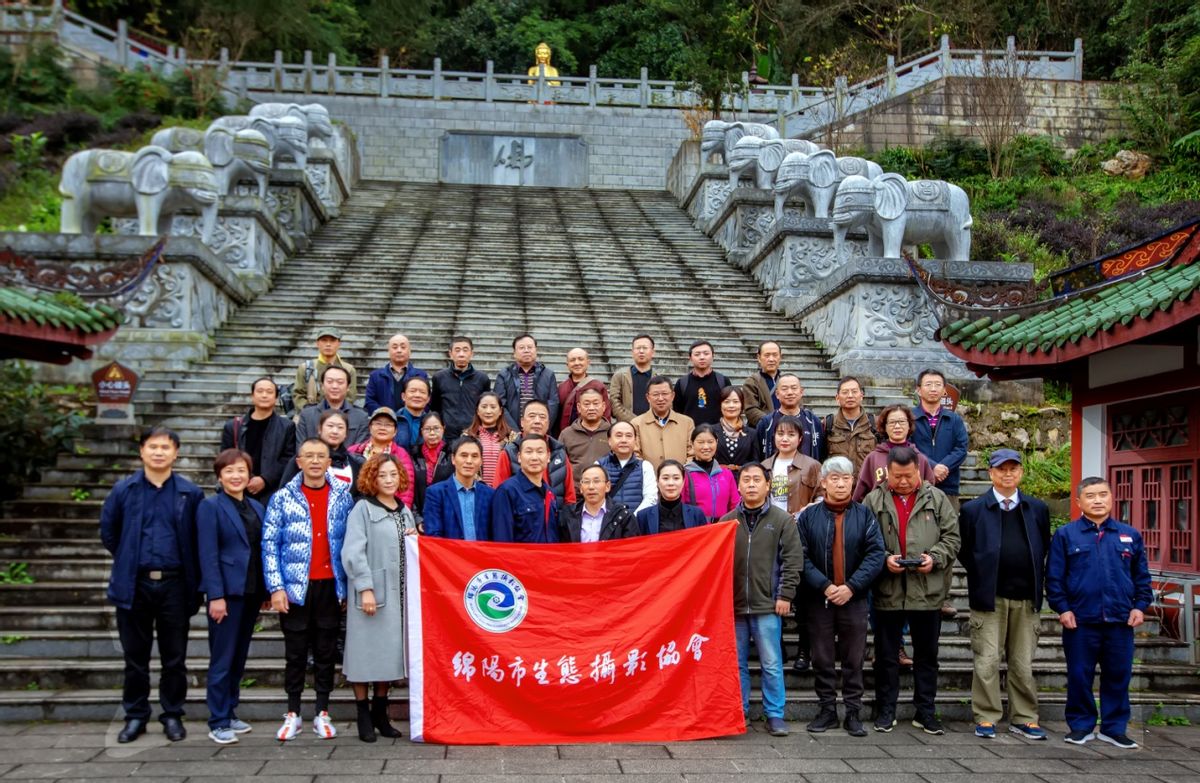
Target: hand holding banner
x=618 y=641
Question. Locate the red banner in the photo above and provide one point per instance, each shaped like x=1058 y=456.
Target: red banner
x=519 y=644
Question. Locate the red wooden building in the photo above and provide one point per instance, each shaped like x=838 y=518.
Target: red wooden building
x=1123 y=331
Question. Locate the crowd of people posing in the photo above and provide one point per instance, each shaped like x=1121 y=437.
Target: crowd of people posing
x=313 y=509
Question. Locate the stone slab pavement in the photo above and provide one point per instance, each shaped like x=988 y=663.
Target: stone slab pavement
x=89 y=751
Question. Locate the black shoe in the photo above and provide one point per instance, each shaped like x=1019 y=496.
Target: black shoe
x=173 y=728
x=134 y=728
x=826 y=719
x=853 y=725
x=379 y=717
x=366 y=729
x=1120 y=740
x=885 y=722
x=1079 y=737
x=801 y=664
x=929 y=724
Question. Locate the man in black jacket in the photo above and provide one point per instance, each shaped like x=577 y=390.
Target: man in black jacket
x=843 y=553
x=1005 y=542
x=524 y=380
x=269 y=439
x=457 y=389
x=596 y=517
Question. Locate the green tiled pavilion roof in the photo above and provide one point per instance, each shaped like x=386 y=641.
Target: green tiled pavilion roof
x=57 y=311
x=1080 y=317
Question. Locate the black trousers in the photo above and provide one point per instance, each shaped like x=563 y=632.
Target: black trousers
x=925 y=627
x=311 y=626
x=839 y=635
x=164 y=606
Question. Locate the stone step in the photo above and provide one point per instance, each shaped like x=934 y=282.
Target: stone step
x=263 y=707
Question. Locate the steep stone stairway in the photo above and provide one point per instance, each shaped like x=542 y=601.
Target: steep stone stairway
x=575 y=268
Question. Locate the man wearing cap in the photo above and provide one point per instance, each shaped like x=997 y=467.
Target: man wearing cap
x=385 y=386
x=307 y=388
x=1005 y=540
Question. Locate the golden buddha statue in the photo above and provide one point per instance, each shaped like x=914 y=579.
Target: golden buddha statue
x=542 y=55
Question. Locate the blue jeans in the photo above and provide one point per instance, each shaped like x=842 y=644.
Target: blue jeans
x=765 y=630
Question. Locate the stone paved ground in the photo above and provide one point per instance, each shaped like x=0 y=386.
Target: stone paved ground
x=79 y=751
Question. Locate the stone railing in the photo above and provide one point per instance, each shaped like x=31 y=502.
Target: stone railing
x=800 y=110
x=868 y=312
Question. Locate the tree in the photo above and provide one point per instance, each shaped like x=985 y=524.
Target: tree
x=718 y=43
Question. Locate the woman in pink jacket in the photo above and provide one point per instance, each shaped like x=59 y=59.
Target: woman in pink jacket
x=705 y=483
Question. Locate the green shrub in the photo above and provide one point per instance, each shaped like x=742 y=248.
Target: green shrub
x=37 y=422
x=1048 y=475
x=1034 y=156
x=33 y=80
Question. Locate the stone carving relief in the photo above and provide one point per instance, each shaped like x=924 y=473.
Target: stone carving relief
x=813 y=258
x=162 y=301
x=894 y=315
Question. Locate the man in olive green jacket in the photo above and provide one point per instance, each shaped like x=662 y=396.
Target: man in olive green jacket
x=920 y=533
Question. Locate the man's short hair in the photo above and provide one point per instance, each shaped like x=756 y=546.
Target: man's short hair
x=325 y=371
x=589 y=390
x=699 y=343
x=753 y=466
x=658 y=380
x=313 y=441
x=521 y=441
x=465 y=440
x=930 y=371
x=521 y=337
x=840 y=465
x=254 y=384
x=643 y=337
x=903 y=456
x=461 y=338
x=422 y=379
x=765 y=343
x=534 y=401
x=1090 y=481
x=619 y=422
x=849 y=379
x=159 y=431
x=789 y=375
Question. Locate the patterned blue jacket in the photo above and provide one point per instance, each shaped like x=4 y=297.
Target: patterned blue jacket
x=287 y=538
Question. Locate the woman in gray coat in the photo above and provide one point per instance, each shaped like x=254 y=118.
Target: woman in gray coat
x=373 y=556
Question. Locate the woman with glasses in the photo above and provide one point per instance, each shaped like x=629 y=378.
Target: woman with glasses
x=897 y=424
x=382 y=440
x=431 y=457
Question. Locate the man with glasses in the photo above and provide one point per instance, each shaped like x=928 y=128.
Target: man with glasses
x=662 y=432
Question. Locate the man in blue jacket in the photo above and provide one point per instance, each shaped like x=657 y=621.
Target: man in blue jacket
x=843 y=554
x=1099 y=583
x=1005 y=537
x=524 y=509
x=460 y=507
x=941 y=434
x=385 y=385
x=148 y=524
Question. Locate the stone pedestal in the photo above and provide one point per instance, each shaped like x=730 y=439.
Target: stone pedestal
x=247 y=237
x=295 y=204
x=872 y=319
x=169 y=317
x=709 y=192
x=793 y=258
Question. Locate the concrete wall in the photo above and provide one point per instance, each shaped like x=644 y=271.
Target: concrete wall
x=399 y=138
x=1075 y=112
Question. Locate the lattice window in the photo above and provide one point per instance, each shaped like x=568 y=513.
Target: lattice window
x=1149 y=428
x=1150 y=490
x=1182 y=533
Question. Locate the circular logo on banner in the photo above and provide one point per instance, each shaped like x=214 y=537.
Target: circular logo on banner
x=496 y=601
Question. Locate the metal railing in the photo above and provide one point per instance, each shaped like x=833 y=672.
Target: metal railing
x=1177 y=606
x=799 y=110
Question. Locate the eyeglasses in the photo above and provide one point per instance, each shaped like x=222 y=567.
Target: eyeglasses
x=431 y=428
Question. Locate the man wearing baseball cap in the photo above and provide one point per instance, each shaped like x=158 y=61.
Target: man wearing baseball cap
x=1005 y=540
x=307 y=389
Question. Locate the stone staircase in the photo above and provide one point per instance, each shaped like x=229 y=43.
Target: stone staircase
x=576 y=268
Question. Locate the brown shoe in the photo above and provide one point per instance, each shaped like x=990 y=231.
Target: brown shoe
x=949 y=612
x=905 y=661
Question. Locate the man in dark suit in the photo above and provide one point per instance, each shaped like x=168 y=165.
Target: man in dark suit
x=148 y=524
x=1005 y=540
x=461 y=506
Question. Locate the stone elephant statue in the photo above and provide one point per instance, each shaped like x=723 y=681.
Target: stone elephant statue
x=772 y=154
x=897 y=213
x=287 y=136
x=743 y=162
x=235 y=155
x=816 y=176
x=151 y=184
x=318 y=127
x=719 y=136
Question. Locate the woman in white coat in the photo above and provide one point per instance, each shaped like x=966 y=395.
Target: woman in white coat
x=373 y=556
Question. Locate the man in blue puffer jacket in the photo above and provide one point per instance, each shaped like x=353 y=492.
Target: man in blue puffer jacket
x=302 y=566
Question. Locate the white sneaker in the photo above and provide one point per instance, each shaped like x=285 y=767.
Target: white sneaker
x=223 y=736
x=240 y=726
x=290 y=728
x=323 y=726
